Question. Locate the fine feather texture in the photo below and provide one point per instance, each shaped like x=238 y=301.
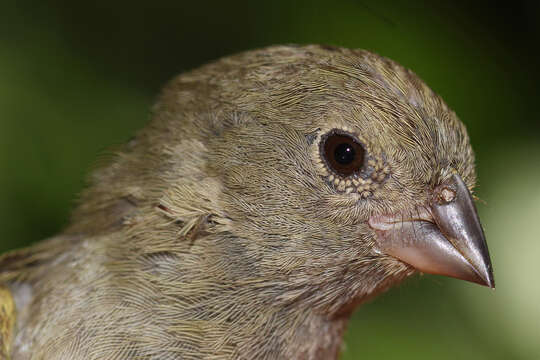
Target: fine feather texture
x=219 y=232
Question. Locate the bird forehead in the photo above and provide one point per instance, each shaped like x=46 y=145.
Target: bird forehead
x=370 y=90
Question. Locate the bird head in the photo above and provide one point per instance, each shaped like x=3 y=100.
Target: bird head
x=316 y=175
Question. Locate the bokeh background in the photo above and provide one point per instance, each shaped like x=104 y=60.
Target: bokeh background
x=79 y=77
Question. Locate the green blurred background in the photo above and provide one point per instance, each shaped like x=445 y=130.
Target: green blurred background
x=79 y=77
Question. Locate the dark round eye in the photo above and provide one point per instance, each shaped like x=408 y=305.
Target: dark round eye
x=343 y=154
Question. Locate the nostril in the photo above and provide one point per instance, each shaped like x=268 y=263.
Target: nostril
x=447 y=195
x=444 y=195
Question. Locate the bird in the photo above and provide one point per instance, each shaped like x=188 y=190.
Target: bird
x=271 y=194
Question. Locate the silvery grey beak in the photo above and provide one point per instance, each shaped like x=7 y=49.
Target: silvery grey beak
x=444 y=238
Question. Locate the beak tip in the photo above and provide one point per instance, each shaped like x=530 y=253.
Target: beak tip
x=485 y=277
x=490 y=284
x=490 y=281
x=487 y=283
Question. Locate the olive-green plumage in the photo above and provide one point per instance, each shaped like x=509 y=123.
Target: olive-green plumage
x=219 y=232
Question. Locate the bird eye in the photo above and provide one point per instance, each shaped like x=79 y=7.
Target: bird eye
x=343 y=154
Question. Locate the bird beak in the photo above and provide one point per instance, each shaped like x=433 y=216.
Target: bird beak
x=444 y=237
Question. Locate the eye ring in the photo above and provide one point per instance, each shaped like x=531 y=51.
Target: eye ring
x=342 y=152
